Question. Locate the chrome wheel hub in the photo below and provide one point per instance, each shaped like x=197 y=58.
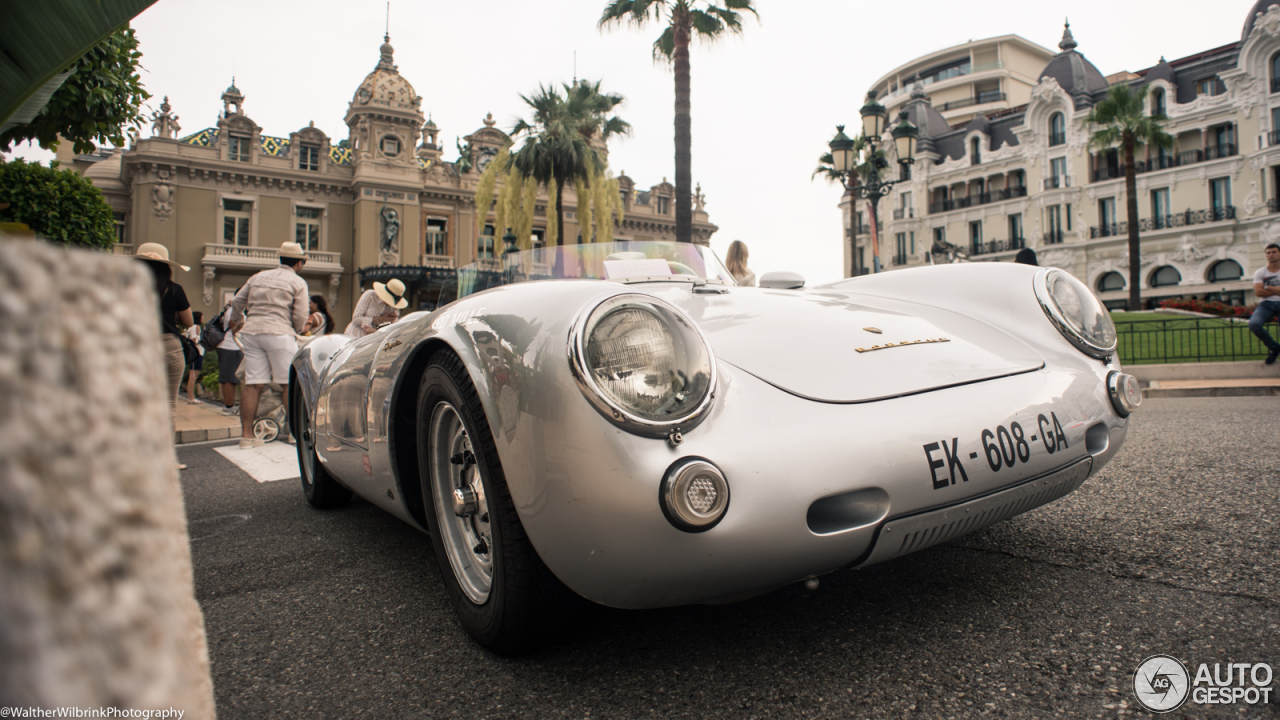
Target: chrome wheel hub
x=461 y=509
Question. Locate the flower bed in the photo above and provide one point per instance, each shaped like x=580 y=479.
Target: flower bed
x=1209 y=307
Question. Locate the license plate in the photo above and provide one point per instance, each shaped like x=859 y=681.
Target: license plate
x=1003 y=447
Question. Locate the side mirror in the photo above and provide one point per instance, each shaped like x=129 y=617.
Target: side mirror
x=782 y=280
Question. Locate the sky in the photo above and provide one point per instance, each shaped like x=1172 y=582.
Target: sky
x=764 y=103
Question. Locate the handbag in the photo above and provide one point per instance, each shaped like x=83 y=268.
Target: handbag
x=190 y=353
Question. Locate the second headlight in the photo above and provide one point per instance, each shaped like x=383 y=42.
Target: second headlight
x=643 y=364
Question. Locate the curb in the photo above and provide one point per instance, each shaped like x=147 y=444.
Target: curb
x=1267 y=391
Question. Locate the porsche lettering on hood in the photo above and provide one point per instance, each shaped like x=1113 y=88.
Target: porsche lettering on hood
x=816 y=345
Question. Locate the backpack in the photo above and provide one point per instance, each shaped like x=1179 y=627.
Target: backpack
x=212 y=334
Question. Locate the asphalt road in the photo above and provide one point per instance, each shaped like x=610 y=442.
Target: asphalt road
x=1174 y=548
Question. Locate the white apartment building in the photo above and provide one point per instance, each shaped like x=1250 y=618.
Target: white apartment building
x=1025 y=176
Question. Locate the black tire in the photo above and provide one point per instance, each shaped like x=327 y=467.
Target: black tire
x=318 y=486
x=523 y=605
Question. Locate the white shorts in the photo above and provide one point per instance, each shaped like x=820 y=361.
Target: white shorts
x=267 y=358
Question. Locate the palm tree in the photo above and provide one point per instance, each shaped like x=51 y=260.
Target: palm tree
x=682 y=18
x=560 y=143
x=1122 y=118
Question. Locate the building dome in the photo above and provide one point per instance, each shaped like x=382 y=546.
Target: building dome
x=1071 y=70
x=105 y=174
x=925 y=116
x=1258 y=7
x=385 y=87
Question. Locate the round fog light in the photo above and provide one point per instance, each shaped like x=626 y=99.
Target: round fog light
x=1126 y=394
x=694 y=495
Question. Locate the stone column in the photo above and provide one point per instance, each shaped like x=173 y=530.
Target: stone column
x=97 y=603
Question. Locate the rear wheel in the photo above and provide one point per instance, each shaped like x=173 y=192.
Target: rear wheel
x=503 y=594
x=318 y=486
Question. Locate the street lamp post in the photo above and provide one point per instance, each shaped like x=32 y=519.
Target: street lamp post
x=864 y=182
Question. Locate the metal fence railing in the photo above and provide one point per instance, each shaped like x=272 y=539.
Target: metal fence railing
x=1187 y=340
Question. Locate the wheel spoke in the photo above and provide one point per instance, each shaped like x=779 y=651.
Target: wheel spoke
x=459 y=503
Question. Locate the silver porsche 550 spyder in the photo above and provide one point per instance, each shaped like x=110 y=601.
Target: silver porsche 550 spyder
x=636 y=429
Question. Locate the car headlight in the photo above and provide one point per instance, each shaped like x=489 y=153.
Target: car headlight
x=1076 y=312
x=643 y=364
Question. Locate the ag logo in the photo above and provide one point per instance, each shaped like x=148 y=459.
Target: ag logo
x=1161 y=683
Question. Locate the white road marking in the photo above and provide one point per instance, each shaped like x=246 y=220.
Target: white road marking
x=271 y=462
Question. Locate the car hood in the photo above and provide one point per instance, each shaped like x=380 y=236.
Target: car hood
x=825 y=345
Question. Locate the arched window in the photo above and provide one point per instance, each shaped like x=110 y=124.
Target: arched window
x=1225 y=270
x=1166 y=276
x=1157 y=102
x=1110 y=281
x=1057 y=129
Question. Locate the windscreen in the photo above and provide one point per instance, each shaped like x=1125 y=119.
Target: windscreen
x=623 y=261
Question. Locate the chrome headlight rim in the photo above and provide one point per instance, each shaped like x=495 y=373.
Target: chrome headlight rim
x=1059 y=320
x=580 y=333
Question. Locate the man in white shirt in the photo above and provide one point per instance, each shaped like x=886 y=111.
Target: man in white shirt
x=1266 y=284
x=278 y=305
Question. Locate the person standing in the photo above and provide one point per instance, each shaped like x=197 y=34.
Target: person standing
x=229 y=358
x=736 y=262
x=378 y=306
x=276 y=302
x=175 y=312
x=196 y=365
x=320 y=322
x=1266 y=285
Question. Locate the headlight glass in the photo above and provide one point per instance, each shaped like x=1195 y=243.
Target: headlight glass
x=1076 y=312
x=643 y=363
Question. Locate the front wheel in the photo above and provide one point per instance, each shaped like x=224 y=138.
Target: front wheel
x=318 y=486
x=503 y=594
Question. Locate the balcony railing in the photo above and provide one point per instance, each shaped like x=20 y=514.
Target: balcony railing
x=1008 y=193
x=899 y=259
x=263 y=257
x=1272 y=138
x=1057 y=181
x=1164 y=222
x=444 y=262
x=1053 y=237
x=122 y=249
x=1190 y=157
x=979 y=99
x=1217 y=152
x=1275 y=84
x=996 y=246
x=903 y=213
x=1273 y=205
x=1059 y=138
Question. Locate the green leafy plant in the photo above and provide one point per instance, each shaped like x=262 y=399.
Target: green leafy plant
x=101 y=98
x=58 y=205
x=209 y=373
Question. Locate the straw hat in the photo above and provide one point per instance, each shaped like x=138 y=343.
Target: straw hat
x=292 y=250
x=392 y=293
x=157 y=252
